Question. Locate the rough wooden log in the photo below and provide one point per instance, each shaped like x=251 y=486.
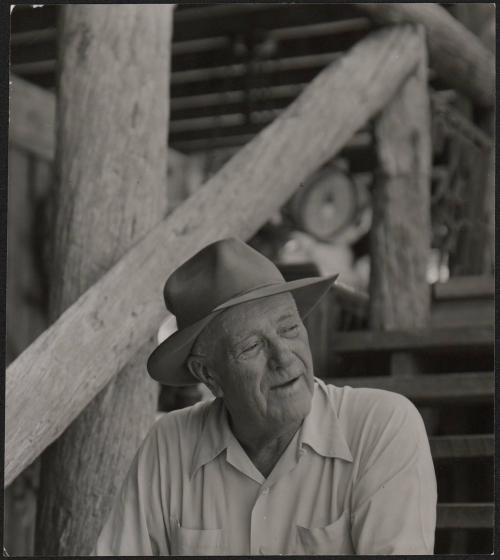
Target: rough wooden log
x=455 y=52
x=110 y=322
x=112 y=123
x=401 y=229
x=32 y=124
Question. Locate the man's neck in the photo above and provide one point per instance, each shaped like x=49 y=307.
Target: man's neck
x=265 y=449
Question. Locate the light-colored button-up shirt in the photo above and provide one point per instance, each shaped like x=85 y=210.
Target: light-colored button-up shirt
x=357 y=478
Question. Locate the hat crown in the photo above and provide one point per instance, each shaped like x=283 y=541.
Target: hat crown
x=219 y=272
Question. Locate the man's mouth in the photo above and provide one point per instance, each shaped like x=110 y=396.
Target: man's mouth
x=288 y=383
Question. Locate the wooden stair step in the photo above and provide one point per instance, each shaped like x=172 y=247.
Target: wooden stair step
x=465 y=515
x=467 y=312
x=462 y=446
x=429 y=388
x=465 y=287
x=428 y=339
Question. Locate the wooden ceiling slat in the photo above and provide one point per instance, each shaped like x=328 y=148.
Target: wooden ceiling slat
x=261 y=67
x=240 y=18
x=33 y=68
x=306 y=30
x=199 y=45
x=217 y=131
x=35 y=36
x=34 y=52
x=270 y=49
x=210 y=11
x=242 y=83
x=228 y=107
x=228 y=96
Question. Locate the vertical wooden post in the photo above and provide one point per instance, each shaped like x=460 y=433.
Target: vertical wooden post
x=112 y=119
x=475 y=249
x=401 y=229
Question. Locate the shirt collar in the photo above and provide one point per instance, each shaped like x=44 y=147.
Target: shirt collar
x=322 y=430
x=214 y=437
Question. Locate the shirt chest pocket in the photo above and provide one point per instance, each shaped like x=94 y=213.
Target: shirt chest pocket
x=195 y=542
x=334 y=538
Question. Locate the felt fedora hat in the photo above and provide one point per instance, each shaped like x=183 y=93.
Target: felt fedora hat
x=221 y=275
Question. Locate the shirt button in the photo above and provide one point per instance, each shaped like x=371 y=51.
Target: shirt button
x=265 y=491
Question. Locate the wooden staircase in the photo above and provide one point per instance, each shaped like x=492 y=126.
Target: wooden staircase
x=453 y=390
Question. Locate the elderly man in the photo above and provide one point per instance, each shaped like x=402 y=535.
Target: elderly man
x=279 y=462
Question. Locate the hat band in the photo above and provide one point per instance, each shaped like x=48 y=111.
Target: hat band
x=245 y=292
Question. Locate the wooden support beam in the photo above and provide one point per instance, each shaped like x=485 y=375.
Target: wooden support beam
x=119 y=314
x=430 y=388
x=112 y=189
x=462 y=447
x=400 y=236
x=465 y=516
x=32 y=122
x=362 y=158
x=415 y=340
x=458 y=55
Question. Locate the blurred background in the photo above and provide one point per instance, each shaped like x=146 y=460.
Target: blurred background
x=234 y=68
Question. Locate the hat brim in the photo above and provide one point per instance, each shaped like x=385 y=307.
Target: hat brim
x=167 y=363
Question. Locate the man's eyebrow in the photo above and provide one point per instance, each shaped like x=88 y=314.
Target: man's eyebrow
x=235 y=340
x=289 y=315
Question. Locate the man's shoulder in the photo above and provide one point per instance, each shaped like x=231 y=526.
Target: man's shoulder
x=190 y=418
x=365 y=400
x=177 y=431
x=362 y=409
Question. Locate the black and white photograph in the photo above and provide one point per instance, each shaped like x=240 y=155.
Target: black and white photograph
x=250 y=264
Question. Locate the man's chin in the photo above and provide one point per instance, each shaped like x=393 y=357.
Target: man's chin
x=294 y=408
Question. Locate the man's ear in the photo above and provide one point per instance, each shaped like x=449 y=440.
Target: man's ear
x=201 y=371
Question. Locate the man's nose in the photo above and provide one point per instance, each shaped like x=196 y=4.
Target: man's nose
x=280 y=354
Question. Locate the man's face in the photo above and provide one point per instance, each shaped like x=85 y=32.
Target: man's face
x=262 y=362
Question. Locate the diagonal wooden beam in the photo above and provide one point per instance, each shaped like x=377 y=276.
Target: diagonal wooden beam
x=62 y=371
x=458 y=56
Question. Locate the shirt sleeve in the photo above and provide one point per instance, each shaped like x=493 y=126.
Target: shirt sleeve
x=394 y=497
x=134 y=526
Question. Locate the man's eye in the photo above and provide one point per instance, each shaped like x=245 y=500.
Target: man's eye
x=290 y=330
x=250 y=350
